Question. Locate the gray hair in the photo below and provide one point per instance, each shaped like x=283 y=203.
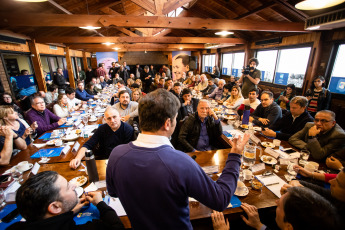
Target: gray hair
x=203 y=100
x=221 y=80
x=300 y=100
x=111 y=108
x=329 y=112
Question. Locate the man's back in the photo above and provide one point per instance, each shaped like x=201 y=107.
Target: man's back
x=154 y=184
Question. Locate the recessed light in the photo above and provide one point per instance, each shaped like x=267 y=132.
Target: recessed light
x=313 y=28
x=224 y=33
x=181 y=48
x=90 y=27
x=108 y=43
x=317 y=4
x=116 y=48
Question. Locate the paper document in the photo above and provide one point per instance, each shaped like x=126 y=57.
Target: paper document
x=115 y=204
x=273 y=183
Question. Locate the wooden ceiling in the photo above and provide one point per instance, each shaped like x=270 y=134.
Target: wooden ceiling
x=136 y=25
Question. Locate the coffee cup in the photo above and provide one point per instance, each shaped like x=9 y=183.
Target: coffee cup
x=247 y=174
x=22 y=166
x=276 y=143
x=58 y=142
x=241 y=187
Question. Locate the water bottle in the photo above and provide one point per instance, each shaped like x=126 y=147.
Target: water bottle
x=91 y=166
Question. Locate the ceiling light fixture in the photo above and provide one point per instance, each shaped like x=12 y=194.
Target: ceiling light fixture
x=116 y=48
x=317 y=4
x=313 y=28
x=108 y=43
x=90 y=27
x=181 y=48
x=223 y=33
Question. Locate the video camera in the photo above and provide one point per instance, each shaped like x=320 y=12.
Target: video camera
x=247 y=69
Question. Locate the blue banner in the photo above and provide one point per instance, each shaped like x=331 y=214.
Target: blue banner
x=235 y=72
x=281 y=78
x=337 y=85
x=107 y=58
x=262 y=75
x=225 y=71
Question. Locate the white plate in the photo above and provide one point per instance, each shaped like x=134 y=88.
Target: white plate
x=245 y=193
x=268 y=160
x=267 y=144
x=79 y=181
x=230 y=117
x=52 y=142
x=70 y=137
x=79 y=191
x=92 y=120
x=257 y=128
x=27 y=168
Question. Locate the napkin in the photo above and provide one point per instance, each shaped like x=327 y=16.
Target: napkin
x=39 y=145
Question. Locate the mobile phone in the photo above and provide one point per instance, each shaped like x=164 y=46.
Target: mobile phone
x=10 y=216
x=289 y=150
x=4 y=178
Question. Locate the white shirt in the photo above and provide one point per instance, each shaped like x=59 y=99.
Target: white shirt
x=151 y=141
x=73 y=102
x=253 y=105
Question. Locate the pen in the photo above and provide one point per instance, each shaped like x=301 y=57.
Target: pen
x=272 y=184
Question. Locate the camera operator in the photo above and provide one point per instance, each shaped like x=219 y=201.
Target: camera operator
x=250 y=77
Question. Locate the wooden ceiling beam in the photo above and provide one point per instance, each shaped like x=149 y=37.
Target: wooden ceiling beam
x=138 y=46
x=257 y=10
x=146 y=4
x=300 y=14
x=173 y=5
x=282 y=15
x=129 y=50
x=155 y=39
x=159 y=6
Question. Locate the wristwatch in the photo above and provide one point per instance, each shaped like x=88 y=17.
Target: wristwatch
x=312 y=137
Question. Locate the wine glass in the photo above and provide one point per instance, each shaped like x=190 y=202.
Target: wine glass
x=17 y=175
x=2 y=198
x=304 y=156
x=85 y=119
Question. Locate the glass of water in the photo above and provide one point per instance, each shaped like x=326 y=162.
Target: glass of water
x=17 y=175
x=249 y=155
x=304 y=156
x=2 y=198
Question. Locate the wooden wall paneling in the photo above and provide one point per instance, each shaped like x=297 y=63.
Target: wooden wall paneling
x=4 y=78
x=94 y=63
x=75 y=53
x=14 y=47
x=45 y=49
x=69 y=68
x=85 y=61
x=36 y=61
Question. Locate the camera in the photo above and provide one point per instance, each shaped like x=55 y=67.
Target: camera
x=246 y=70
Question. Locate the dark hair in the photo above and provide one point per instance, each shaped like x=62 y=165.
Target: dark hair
x=36 y=194
x=123 y=92
x=305 y=209
x=122 y=82
x=269 y=93
x=293 y=93
x=227 y=86
x=147 y=67
x=177 y=84
x=186 y=91
x=100 y=64
x=254 y=90
x=253 y=59
x=88 y=86
x=185 y=59
x=69 y=90
x=312 y=87
x=2 y=101
x=155 y=108
x=299 y=100
x=162 y=78
x=22 y=72
x=168 y=79
x=52 y=87
x=135 y=86
x=212 y=80
x=80 y=82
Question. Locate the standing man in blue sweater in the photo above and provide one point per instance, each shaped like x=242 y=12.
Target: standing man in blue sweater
x=154 y=181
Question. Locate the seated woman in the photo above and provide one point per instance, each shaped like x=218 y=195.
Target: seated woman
x=284 y=99
x=61 y=108
x=236 y=98
x=90 y=89
x=139 y=82
x=98 y=86
x=136 y=95
x=215 y=72
x=21 y=129
x=130 y=81
x=226 y=93
x=155 y=82
x=6 y=99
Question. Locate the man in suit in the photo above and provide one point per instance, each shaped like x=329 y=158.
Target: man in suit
x=59 y=79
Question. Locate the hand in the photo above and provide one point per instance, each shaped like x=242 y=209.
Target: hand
x=34 y=125
x=250 y=119
x=94 y=197
x=313 y=131
x=284 y=188
x=253 y=216
x=309 y=98
x=295 y=183
x=333 y=163
x=6 y=131
x=264 y=121
x=211 y=113
x=28 y=131
x=62 y=121
x=207 y=96
x=218 y=221
x=238 y=144
x=302 y=171
x=125 y=118
x=74 y=163
x=82 y=202
x=269 y=133
x=187 y=103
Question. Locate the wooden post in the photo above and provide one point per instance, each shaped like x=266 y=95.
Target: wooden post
x=69 y=68
x=247 y=54
x=200 y=63
x=85 y=61
x=36 y=61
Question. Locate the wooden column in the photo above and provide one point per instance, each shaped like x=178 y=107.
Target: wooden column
x=36 y=61
x=314 y=63
x=69 y=68
x=247 y=53
x=85 y=61
x=200 y=63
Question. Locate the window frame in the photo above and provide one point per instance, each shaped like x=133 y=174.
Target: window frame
x=203 y=62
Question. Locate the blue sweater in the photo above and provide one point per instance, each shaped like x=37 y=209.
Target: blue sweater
x=154 y=184
x=83 y=95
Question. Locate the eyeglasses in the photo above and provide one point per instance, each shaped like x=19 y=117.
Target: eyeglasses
x=322 y=121
x=42 y=102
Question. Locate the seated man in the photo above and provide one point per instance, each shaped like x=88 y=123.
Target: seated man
x=81 y=93
x=46 y=120
x=107 y=136
x=108 y=80
x=72 y=101
x=252 y=101
x=267 y=113
x=201 y=130
x=127 y=109
x=189 y=105
x=322 y=138
x=177 y=90
x=102 y=82
x=48 y=201
x=52 y=94
x=292 y=121
x=299 y=208
x=218 y=92
x=210 y=87
x=8 y=140
x=121 y=86
x=202 y=84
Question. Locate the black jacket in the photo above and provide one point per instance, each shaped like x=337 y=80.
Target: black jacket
x=209 y=89
x=183 y=109
x=108 y=220
x=190 y=132
x=60 y=81
x=272 y=113
x=288 y=127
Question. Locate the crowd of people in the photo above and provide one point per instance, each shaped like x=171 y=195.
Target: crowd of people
x=172 y=118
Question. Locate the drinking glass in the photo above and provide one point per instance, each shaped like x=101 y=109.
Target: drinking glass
x=304 y=156
x=43 y=158
x=291 y=172
x=249 y=155
x=2 y=198
x=85 y=119
x=17 y=175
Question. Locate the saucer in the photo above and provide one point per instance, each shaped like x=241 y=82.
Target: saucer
x=29 y=166
x=244 y=193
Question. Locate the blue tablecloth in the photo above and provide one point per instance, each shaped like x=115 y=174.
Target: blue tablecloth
x=52 y=152
x=5 y=211
x=235 y=202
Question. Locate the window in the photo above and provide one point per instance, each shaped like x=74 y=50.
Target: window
x=227 y=64
x=50 y=65
x=208 y=61
x=292 y=65
x=267 y=62
x=337 y=81
x=238 y=64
